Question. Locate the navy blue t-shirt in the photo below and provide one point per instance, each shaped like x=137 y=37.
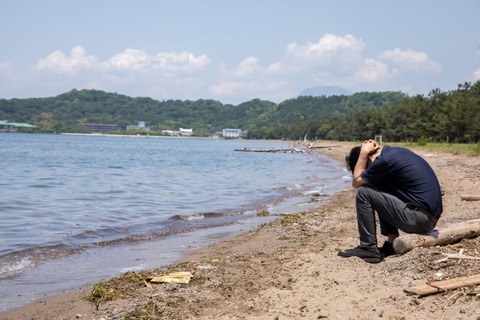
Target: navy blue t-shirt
x=406 y=175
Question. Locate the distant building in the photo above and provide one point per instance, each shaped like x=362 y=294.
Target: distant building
x=182 y=132
x=141 y=126
x=170 y=133
x=99 y=128
x=6 y=126
x=231 y=133
x=186 y=132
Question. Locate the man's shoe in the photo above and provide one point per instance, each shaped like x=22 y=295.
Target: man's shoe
x=371 y=255
x=387 y=249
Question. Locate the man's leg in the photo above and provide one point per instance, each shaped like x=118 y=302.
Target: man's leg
x=388 y=207
x=367 y=249
x=393 y=214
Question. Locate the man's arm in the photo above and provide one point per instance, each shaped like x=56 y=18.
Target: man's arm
x=367 y=148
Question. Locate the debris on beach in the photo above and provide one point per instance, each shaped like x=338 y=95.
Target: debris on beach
x=442 y=286
x=470 y=198
x=174 y=277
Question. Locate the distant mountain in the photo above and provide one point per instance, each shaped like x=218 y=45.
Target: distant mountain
x=325 y=91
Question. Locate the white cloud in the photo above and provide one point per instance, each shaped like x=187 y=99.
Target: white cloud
x=239 y=79
x=169 y=62
x=129 y=60
x=301 y=66
x=372 y=71
x=330 y=51
x=133 y=72
x=57 y=61
x=248 y=79
x=332 y=60
x=180 y=62
x=248 y=66
x=476 y=75
x=327 y=46
x=410 y=61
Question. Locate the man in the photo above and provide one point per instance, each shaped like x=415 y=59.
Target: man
x=401 y=187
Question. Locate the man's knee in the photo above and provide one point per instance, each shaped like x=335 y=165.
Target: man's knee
x=363 y=192
x=366 y=194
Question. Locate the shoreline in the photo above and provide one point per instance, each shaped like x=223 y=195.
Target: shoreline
x=185 y=253
x=88 y=265
x=288 y=269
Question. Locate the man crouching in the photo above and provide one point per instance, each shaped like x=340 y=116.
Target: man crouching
x=401 y=187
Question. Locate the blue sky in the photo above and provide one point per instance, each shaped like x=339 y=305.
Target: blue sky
x=235 y=51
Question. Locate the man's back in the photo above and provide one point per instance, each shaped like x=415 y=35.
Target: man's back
x=408 y=176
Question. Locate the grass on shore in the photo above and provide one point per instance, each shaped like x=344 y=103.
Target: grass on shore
x=468 y=149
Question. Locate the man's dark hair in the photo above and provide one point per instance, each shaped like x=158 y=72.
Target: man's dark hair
x=352 y=158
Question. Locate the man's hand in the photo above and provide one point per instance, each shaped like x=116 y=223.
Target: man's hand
x=368 y=147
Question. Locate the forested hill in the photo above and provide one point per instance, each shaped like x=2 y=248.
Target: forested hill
x=452 y=116
x=66 y=111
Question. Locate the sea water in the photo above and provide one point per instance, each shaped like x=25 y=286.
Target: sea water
x=75 y=209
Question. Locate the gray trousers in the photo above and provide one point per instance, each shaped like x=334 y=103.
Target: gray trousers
x=393 y=215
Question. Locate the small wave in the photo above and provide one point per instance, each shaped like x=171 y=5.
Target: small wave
x=115 y=191
x=181 y=217
x=282 y=188
x=316 y=192
x=41 y=186
x=133 y=268
x=206 y=215
x=289 y=188
x=14 y=263
x=11 y=269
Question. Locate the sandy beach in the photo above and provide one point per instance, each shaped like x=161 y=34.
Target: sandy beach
x=289 y=269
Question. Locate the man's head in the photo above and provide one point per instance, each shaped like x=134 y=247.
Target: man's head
x=352 y=157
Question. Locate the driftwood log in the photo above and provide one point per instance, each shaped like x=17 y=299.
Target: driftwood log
x=447 y=235
x=470 y=198
x=328 y=146
x=285 y=150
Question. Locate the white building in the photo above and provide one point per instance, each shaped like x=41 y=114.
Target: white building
x=170 y=132
x=182 y=132
x=186 y=132
x=231 y=133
